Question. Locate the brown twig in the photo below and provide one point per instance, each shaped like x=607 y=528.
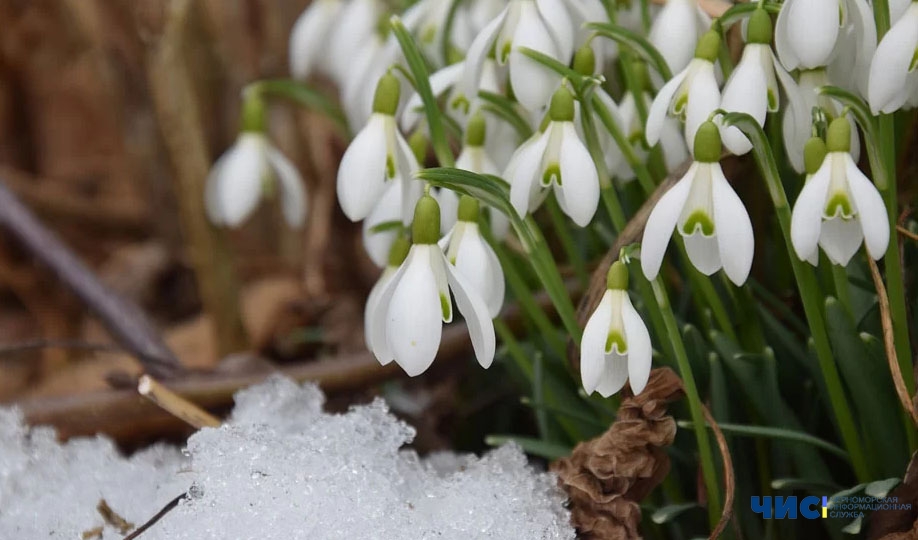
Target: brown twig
x=890 y=344
x=112 y=518
x=123 y=319
x=175 y=404
x=159 y=515
x=905 y=232
x=729 y=477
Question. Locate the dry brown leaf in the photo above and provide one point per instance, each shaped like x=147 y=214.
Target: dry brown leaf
x=605 y=478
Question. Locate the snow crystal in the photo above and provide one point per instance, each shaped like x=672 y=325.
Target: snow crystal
x=280 y=468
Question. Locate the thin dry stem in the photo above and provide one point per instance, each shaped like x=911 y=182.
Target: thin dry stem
x=729 y=478
x=175 y=404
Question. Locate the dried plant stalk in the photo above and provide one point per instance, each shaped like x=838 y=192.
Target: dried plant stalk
x=180 y=407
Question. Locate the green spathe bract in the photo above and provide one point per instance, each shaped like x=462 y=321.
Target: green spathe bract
x=385 y=101
x=708 y=146
x=617 y=278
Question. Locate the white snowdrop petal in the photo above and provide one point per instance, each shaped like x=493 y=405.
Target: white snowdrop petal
x=523 y=171
x=388 y=209
x=369 y=309
x=239 y=187
x=558 y=20
x=378 y=317
x=840 y=239
x=614 y=374
x=292 y=189
x=674 y=33
x=704 y=252
x=413 y=318
x=440 y=81
x=449 y=208
x=662 y=223
x=478 y=52
x=473 y=263
x=593 y=344
x=660 y=107
x=212 y=191
x=871 y=210
x=746 y=91
x=863 y=29
x=812 y=31
x=806 y=218
x=500 y=224
x=782 y=37
x=308 y=36
x=733 y=229
x=703 y=99
x=533 y=84
x=477 y=319
x=887 y=82
x=579 y=180
x=362 y=172
x=640 y=350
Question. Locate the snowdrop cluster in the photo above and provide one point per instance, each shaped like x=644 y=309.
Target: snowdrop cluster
x=429 y=241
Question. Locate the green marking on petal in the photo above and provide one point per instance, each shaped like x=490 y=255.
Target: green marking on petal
x=552 y=173
x=913 y=65
x=460 y=103
x=446 y=307
x=772 y=101
x=390 y=166
x=505 y=52
x=699 y=220
x=429 y=34
x=616 y=339
x=839 y=206
x=680 y=103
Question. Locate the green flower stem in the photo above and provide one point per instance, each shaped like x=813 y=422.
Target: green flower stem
x=708 y=465
x=809 y=294
x=609 y=196
x=304 y=95
x=842 y=287
x=567 y=241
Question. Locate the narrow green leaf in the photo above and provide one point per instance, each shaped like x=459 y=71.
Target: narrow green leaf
x=737 y=12
x=532 y=446
x=636 y=42
x=506 y=109
x=776 y=433
x=854 y=527
x=802 y=484
x=385 y=226
x=670 y=512
x=881 y=488
x=304 y=95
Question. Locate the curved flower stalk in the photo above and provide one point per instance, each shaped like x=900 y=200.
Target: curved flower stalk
x=406 y=323
x=474 y=157
x=556 y=158
x=616 y=345
x=377 y=155
x=309 y=39
x=839 y=207
x=809 y=33
x=250 y=169
x=676 y=30
x=468 y=251
x=797 y=126
x=893 y=80
x=692 y=95
x=540 y=25
x=753 y=86
x=708 y=214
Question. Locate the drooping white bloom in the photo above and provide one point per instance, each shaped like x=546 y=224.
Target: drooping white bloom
x=468 y=251
x=356 y=24
x=382 y=226
x=458 y=105
x=398 y=251
x=839 y=207
x=372 y=60
x=676 y=30
x=556 y=158
x=672 y=142
x=893 y=76
x=309 y=39
x=250 y=168
x=807 y=32
x=540 y=25
x=474 y=157
x=753 y=86
x=377 y=155
x=797 y=126
x=693 y=94
x=407 y=322
x=616 y=345
x=709 y=215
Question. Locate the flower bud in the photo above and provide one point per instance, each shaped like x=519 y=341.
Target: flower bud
x=585 y=61
x=468 y=209
x=708 y=46
x=838 y=138
x=617 y=278
x=426 y=226
x=708 y=146
x=814 y=152
x=562 y=106
x=385 y=101
x=475 y=131
x=760 y=27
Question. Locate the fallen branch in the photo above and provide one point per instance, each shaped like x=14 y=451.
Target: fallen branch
x=121 y=318
x=159 y=515
x=889 y=343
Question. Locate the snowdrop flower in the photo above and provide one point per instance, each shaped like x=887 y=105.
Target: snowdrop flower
x=250 y=169
x=309 y=37
x=474 y=157
x=807 y=31
x=753 y=87
x=894 y=71
x=473 y=257
x=458 y=105
x=398 y=251
x=356 y=23
x=797 y=126
x=616 y=345
x=370 y=62
x=377 y=155
x=838 y=207
x=708 y=214
x=556 y=158
x=383 y=225
x=676 y=30
x=693 y=94
x=540 y=25
x=407 y=322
